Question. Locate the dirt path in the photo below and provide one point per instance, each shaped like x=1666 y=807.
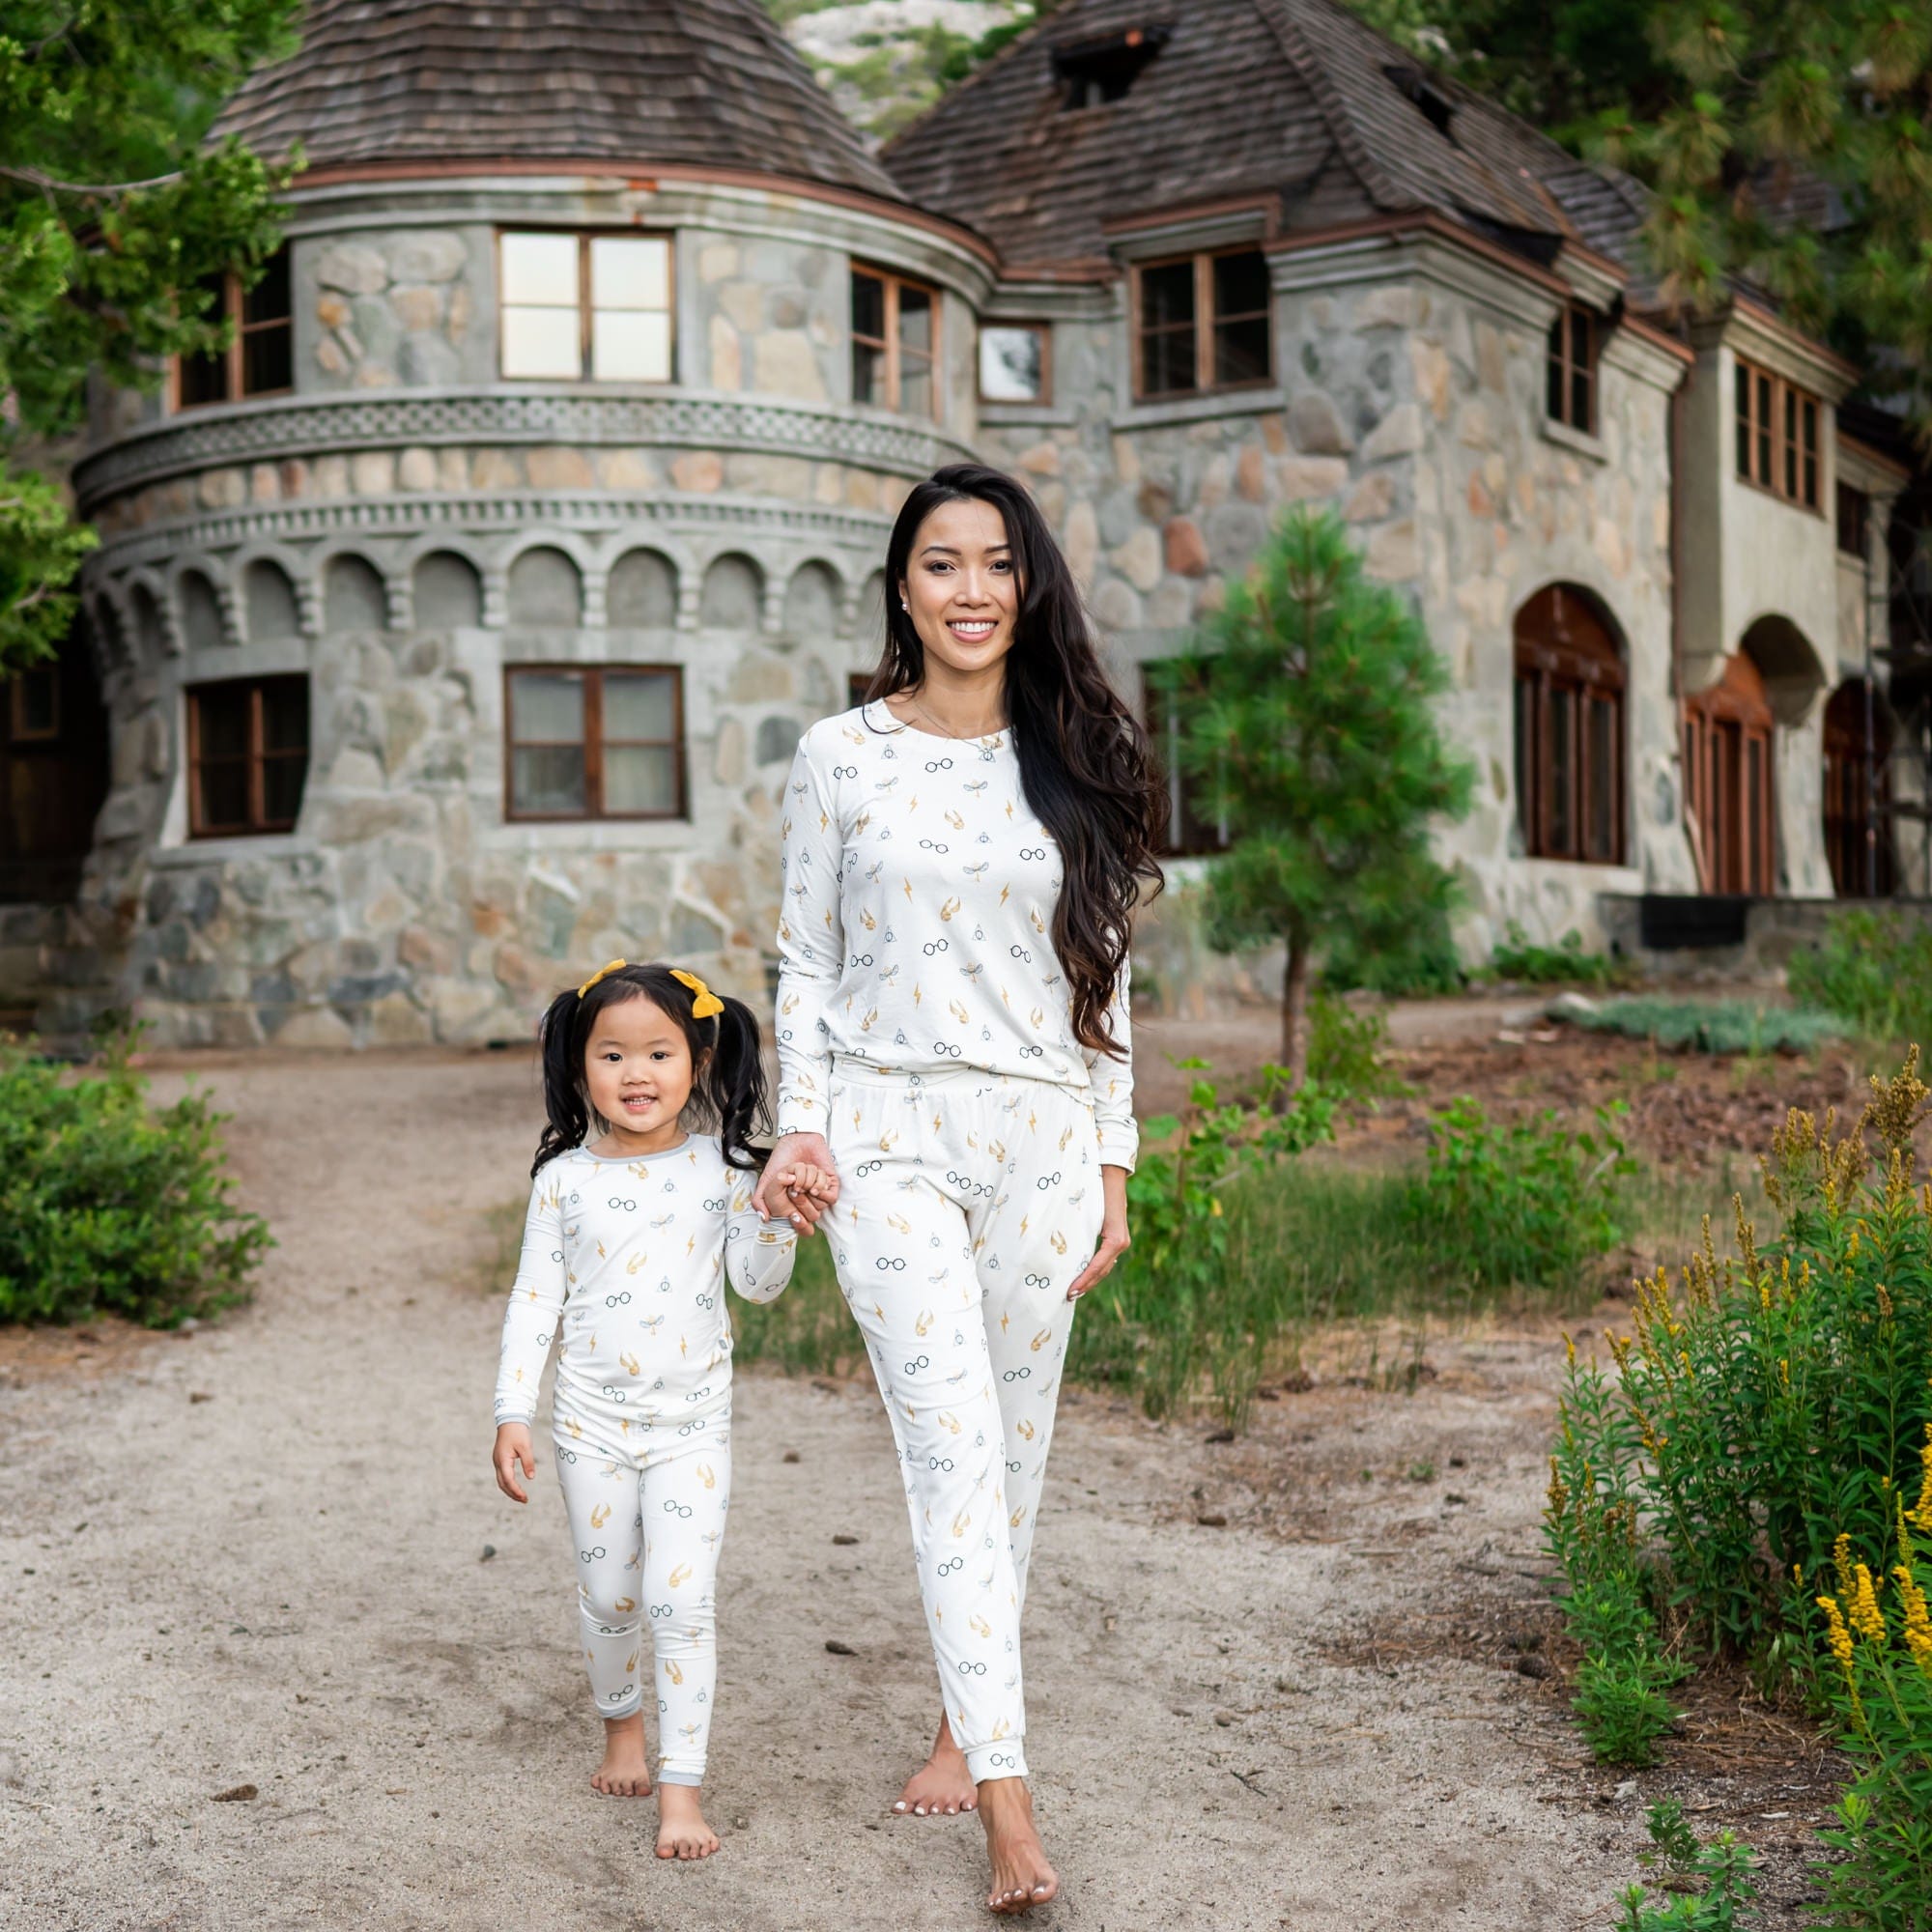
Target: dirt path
x=254 y=1556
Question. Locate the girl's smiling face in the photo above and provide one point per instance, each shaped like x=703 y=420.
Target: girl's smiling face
x=638 y=1074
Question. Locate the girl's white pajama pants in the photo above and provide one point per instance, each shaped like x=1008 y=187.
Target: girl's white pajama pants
x=968 y=1202
x=646 y=1520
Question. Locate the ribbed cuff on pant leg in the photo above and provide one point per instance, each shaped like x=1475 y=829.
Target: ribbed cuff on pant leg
x=1005 y=1759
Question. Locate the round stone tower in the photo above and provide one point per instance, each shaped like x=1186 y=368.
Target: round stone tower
x=454 y=630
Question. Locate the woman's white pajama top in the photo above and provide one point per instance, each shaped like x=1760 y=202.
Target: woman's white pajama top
x=624 y=1265
x=924 y=1028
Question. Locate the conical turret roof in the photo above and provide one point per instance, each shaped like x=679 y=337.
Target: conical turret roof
x=710 y=83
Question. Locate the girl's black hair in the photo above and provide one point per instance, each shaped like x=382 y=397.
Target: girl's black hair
x=1083 y=757
x=727 y=1088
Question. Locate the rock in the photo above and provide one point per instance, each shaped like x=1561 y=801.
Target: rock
x=235 y=1794
x=835 y=1645
x=1211 y=1519
x=359 y=272
x=1398 y=434
x=843 y=1539
x=1315 y=426
x=427 y=255
x=489 y=1550
x=789 y=1456
x=1564 y=1007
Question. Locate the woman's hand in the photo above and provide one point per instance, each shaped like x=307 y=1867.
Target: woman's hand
x=1114 y=1238
x=513 y=1446
x=783 y=1193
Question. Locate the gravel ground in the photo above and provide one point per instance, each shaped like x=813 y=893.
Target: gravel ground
x=255 y=1557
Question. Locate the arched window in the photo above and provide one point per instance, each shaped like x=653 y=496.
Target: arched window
x=1727 y=760
x=1569 y=729
x=1858 y=793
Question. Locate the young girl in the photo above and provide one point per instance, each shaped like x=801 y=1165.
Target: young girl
x=635 y=1222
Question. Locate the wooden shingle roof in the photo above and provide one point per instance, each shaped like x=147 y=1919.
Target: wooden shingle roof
x=1291 y=99
x=695 y=82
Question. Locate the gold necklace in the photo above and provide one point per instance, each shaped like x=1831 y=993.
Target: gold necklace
x=958 y=737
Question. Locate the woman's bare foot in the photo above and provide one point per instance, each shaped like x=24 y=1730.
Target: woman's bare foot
x=942 y=1786
x=682 y=1833
x=1022 y=1878
x=625 y=1772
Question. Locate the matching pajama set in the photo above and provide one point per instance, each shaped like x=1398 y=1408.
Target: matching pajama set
x=624 y=1264
x=924 y=1028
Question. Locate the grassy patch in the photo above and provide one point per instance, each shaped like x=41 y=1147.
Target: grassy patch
x=1714 y=1026
x=1565 y=964
x=1872 y=970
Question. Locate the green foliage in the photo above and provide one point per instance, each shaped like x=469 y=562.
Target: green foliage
x=1528 y=1203
x=1713 y=1025
x=112 y=211
x=1566 y=963
x=1309 y=723
x=1416 y=964
x=1346 y=1051
x=108 y=1206
x=1873 y=970
x=1712 y=1883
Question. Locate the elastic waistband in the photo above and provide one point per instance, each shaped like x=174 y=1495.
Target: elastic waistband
x=854 y=1073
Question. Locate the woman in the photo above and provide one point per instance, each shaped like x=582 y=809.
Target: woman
x=962 y=856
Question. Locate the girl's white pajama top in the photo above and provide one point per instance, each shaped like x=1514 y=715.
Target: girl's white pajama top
x=924 y=1028
x=624 y=1265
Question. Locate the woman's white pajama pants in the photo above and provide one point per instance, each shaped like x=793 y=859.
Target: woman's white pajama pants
x=646 y=1520
x=968 y=1202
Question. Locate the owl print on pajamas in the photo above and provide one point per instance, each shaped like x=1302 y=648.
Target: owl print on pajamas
x=641 y=1411
x=924 y=1027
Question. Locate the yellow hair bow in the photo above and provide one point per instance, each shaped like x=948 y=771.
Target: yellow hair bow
x=603 y=972
x=704 y=1002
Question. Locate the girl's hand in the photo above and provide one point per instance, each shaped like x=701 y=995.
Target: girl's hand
x=774 y=1197
x=1114 y=1238
x=513 y=1446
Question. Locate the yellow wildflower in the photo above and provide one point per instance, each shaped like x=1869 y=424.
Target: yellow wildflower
x=1884 y=1303
x=1922 y=1515
x=1918 y=1623
x=1841 y=1562
x=1836 y=1635
x=1570 y=1349
x=1784 y=1371
x=1866 y=1617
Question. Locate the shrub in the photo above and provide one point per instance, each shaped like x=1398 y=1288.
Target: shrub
x=108 y=1206
x=1873 y=970
x=1346 y=1050
x=1713 y=1025
x=1526 y=1203
x=1417 y=964
x=1566 y=963
x=1713 y=1882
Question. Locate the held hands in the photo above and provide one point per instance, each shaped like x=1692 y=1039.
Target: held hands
x=799 y=1182
x=1114 y=1238
x=513 y=1446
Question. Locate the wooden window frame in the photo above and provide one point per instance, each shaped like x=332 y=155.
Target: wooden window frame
x=1712 y=720
x=586 y=309
x=258 y=823
x=592 y=745
x=1779 y=429
x=1853 y=520
x=233 y=296
x=888 y=344
x=1176 y=842
x=1205 y=321
x=18 y=732
x=1543 y=667
x=1560 y=362
x=1044 y=400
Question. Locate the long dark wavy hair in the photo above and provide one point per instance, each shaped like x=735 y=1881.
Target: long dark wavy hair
x=727 y=1086
x=1084 y=760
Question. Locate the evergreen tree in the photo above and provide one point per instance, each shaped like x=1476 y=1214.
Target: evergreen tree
x=113 y=216
x=1305 y=718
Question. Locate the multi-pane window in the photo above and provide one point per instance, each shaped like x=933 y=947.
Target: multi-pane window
x=1858 y=792
x=33 y=704
x=1853 y=520
x=1569 y=730
x=1191 y=828
x=894 y=343
x=1727 y=761
x=584 y=305
x=260 y=357
x=603 y=741
x=247 y=755
x=1570 y=390
x=1013 y=363
x=1777 y=435
x=1202 y=323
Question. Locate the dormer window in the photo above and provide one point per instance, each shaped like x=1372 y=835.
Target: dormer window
x=1429 y=101
x=1095 y=72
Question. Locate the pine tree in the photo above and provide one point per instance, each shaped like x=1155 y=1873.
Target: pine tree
x=1305 y=719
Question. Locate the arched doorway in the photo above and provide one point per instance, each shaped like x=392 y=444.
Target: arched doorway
x=1727 y=762
x=53 y=773
x=1857 y=778
x=1568 y=728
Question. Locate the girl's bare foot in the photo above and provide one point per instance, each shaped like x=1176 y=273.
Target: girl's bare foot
x=1022 y=1878
x=682 y=1833
x=625 y=1772
x=942 y=1786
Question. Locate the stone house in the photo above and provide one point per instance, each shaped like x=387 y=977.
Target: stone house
x=457 y=626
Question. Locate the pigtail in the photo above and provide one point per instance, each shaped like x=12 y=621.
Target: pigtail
x=568 y=1118
x=734 y=1084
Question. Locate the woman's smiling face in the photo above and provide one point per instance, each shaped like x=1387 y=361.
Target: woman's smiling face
x=637 y=1074
x=962 y=586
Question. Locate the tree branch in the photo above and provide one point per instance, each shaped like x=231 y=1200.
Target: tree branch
x=32 y=178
